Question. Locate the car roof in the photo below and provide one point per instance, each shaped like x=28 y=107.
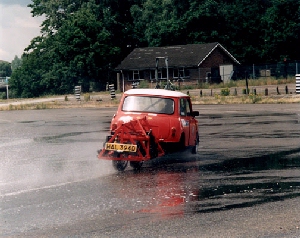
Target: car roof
x=155 y=92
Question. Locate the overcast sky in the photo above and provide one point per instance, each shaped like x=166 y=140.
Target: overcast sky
x=17 y=28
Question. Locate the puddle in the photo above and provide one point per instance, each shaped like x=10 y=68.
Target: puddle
x=60 y=137
x=177 y=188
x=28 y=121
x=265 y=162
x=248 y=182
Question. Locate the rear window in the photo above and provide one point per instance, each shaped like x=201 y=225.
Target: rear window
x=148 y=104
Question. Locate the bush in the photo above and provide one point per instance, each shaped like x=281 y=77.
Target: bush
x=143 y=84
x=87 y=97
x=225 y=92
x=3 y=95
x=254 y=98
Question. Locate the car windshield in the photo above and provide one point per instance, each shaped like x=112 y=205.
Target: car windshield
x=148 y=104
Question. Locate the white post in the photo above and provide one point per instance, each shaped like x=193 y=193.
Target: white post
x=223 y=76
x=7 y=91
x=6 y=81
x=297 y=83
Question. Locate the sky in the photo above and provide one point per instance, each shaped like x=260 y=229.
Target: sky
x=17 y=28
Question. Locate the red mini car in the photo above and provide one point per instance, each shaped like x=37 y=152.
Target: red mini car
x=150 y=123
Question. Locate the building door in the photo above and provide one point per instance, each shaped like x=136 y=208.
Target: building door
x=226 y=72
x=215 y=75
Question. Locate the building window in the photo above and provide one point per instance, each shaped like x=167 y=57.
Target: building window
x=151 y=74
x=161 y=74
x=177 y=73
x=134 y=75
x=180 y=73
x=208 y=77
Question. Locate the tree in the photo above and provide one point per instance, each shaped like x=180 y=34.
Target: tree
x=160 y=22
x=281 y=27
x=5 y=69
x=243 y=29
x=253 y=31
x=26 y=81
x=80 y=44
x=16 y=63
x=82 y=41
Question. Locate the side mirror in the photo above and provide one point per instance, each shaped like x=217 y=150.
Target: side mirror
x=195 y=113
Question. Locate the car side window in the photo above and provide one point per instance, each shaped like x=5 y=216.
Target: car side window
x=188 y=108
x=182 y=107
x=185 y=109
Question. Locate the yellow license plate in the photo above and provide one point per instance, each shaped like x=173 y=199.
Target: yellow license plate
x=121 y=147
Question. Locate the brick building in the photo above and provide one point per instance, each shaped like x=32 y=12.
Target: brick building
x=185 y=64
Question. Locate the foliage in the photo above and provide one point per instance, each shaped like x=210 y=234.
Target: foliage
x=86 y=97
x=2 y=95
x=16 y=63
x=79 y=46
x=281 y=25
x=252 y=31
x=5 y=69
x=143 y=84
x=254 y=98
x=225 y=91
x=82 y=41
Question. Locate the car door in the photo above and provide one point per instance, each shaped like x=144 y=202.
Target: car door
x=192 y=123
x=184 y=109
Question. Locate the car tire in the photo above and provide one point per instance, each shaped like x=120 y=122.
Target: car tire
x=136 y=165
x=195 y=147
x=181 y=145
x=120 y=165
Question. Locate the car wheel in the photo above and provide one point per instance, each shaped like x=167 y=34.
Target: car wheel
x=120 y=165
x=195 y=149
x=181 y=145
x=136 y=164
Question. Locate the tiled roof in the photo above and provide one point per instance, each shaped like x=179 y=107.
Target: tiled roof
x=191 y=55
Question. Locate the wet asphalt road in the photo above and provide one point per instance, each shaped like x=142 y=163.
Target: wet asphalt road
x=244 y=181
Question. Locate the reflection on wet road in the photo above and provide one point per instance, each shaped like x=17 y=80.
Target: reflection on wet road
x=179 y=187
x=51 y=182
